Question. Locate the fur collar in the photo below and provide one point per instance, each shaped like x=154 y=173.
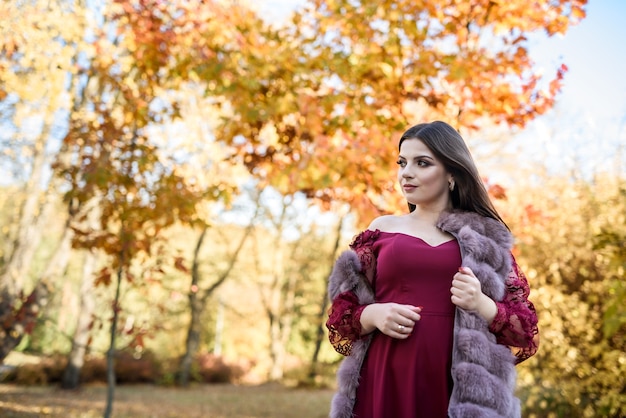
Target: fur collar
x=485 y=248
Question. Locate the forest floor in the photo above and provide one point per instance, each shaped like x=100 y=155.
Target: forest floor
x=148 y=401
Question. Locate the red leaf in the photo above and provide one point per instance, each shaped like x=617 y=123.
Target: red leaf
x=104 y=278
x=179 y=264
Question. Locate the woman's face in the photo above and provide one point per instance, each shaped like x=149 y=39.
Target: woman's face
x=423 y=178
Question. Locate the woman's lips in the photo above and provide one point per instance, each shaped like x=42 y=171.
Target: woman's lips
x=409 y=187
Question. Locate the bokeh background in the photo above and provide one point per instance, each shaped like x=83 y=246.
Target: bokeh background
x=178 y=178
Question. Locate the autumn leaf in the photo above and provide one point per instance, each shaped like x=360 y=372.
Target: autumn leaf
x=103 y=278
x=179 y=263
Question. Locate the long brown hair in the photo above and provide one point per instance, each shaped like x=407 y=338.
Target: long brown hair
x=447 y=145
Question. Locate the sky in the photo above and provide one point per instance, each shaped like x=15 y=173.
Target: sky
x=588 y=124
x=595 y=52
x=587 y=127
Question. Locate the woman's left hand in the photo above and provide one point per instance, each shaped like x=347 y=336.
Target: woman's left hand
x=467 y=294
x=466 y=291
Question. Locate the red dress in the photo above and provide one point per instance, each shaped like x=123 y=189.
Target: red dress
x=411 y=378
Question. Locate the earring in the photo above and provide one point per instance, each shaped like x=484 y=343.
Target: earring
x=451 y=185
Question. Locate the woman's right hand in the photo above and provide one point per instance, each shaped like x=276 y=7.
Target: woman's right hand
x=392 y=319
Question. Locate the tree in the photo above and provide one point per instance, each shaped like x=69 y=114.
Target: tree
x=110 y=154
x=35 y=92
x=198 y=295
x=570 y=245
x=290 y=278
x=205 y=162
x=317 y=102
x=319 y=326
x=312 y=107
x=277 y=286
x=86 y=310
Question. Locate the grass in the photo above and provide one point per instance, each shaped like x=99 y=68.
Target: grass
x=147 y=401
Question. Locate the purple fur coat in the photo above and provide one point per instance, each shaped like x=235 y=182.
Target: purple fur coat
x=483 y=371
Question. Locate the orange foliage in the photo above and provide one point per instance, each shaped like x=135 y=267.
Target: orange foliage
x=318 y=106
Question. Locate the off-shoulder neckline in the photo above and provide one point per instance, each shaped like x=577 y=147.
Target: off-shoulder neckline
x=413 y=236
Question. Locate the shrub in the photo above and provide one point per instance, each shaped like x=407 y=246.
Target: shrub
x=131 y=369
x=213 y=369
x=168 y=369
x=323 y=378
x=54 y=367
x=42 y=372
x=94 y=370
x=30 y=375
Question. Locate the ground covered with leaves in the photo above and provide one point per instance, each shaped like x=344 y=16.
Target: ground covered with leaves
x=147 y=401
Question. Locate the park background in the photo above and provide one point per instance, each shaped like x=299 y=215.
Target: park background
x=178 y=177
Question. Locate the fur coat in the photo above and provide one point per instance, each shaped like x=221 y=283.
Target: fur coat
x=483 y=371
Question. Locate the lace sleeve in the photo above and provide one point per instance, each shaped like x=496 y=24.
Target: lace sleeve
x=344 y=322
x=363 y=246
x=344 y=315
x=515 y=323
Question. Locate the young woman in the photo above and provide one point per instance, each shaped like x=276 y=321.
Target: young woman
x=430 y=308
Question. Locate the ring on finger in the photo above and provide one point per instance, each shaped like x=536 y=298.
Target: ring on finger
x=400 y=328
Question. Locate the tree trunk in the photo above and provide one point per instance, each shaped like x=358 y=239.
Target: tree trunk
x=113 y=334
x=281 y=322
x=193 y=332
x=277 y=350
x=192 y=343
x=319 y=333
x=219 y=328
x=198 y=298
x=279 y=303
x=76 y=358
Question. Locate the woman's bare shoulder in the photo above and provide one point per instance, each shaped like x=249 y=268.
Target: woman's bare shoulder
x=384 y=223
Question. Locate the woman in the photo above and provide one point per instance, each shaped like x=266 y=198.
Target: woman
x=430 y=307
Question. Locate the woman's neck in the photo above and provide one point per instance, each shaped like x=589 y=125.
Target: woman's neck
x=427 y=216
x=430 y=213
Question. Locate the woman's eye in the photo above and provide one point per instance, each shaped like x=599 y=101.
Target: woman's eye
x=422 y=163
x=401 y=163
